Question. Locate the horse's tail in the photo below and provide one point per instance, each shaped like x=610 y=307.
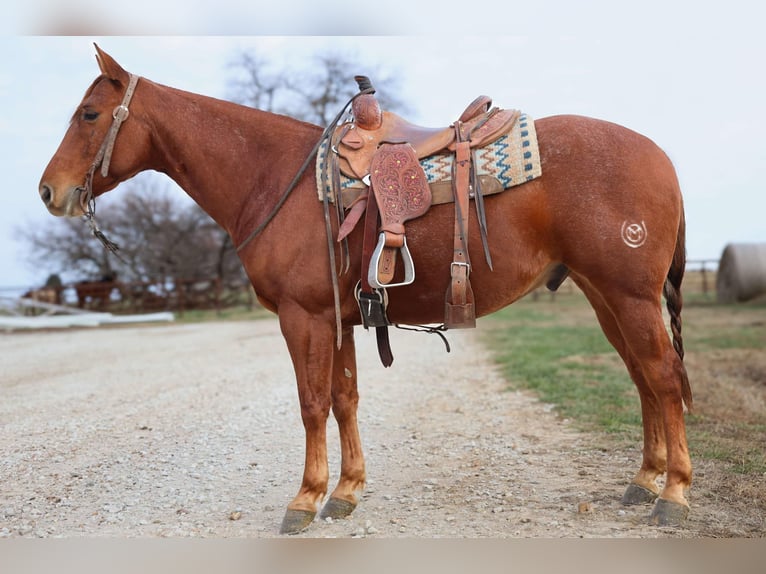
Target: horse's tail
x=674 y=301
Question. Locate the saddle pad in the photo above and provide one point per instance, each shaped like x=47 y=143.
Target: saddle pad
x=510 y=160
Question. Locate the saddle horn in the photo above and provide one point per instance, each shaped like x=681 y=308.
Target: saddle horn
x=364 y=83
x=366 y=110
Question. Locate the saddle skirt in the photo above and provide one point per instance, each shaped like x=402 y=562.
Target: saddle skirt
x=510 y=160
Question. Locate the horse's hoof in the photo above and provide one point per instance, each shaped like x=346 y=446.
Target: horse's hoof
x=296 y=521
x=337 y=508
x=667 y=513
x=636 y=494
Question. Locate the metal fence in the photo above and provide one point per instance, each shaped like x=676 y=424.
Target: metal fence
x=118 y=297
x=183 y=295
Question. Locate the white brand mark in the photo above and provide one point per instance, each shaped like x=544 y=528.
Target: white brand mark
x=633 y=234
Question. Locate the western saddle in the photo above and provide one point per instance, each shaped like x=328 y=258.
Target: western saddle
x=383 y=150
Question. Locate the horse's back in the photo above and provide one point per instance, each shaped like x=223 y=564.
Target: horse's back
x=581 y=148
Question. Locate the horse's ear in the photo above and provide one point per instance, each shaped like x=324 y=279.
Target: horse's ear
x=109 y=67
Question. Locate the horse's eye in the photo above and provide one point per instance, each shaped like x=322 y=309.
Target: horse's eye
x=89 y=115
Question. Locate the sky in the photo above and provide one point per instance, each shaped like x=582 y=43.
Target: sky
x=690 y=79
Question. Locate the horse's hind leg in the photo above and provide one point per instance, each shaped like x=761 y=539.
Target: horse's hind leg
x=345 y=399
x=640 y=322
x=643 y=488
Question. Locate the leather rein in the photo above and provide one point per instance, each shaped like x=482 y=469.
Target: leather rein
x=363 y=89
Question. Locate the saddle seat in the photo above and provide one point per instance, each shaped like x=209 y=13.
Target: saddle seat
x=357 y=142
x=425 y=141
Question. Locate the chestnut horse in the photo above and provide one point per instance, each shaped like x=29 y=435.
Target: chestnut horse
x=607 y=206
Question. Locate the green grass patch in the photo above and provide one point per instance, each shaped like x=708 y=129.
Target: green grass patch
x=570 y=366
x=226 y=314
x=734 y=335
x=737 y=444
x=557 y=350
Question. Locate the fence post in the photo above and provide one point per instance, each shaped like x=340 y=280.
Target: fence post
x=218 y=287
x=181 y=297
x=704 y=278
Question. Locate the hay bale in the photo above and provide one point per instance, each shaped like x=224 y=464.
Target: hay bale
x=741 y=272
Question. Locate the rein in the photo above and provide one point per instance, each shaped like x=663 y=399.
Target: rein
x=103 y=159
x=365 y=87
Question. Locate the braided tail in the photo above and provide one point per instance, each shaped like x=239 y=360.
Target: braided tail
x=674 y=301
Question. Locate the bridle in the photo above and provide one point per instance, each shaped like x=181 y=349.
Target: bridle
x=103 y=159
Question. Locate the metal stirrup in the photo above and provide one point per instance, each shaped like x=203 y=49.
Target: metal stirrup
x=409 y=266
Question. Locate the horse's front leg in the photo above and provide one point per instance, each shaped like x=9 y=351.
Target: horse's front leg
x=345 y=399
x=311 y=343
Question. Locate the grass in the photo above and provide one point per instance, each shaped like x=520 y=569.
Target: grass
x=570 y=366
x=227 y=314
x=557 y=350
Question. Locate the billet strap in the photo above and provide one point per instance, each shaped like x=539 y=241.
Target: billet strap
x=459 y=303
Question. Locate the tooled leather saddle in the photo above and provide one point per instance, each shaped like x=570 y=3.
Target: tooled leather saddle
x=383 y=150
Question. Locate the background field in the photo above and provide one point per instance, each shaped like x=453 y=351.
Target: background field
x=554 y=346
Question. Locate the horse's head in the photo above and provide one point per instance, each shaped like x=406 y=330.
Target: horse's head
x=83 y=166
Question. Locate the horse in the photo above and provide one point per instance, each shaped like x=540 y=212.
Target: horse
x=607 y=208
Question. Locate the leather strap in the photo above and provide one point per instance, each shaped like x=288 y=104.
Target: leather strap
x=119 y=115
x=459 y=301
x=369 y=238
x=368 y=246
x=356 y=210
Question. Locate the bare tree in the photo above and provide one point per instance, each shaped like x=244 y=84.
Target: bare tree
x=315 y=93
x=160 y=237
x=65 y=247
x=256 y=85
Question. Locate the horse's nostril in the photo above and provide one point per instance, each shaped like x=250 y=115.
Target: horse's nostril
x=46 y=194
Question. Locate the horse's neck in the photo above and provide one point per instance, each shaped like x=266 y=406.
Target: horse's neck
x=234 y=161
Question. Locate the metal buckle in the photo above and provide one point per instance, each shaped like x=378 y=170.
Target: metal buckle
x=121 y=113
x=460 y=264
x=409 y=267
x=372 y=306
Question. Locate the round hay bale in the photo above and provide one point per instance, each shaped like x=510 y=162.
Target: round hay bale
x=741 y=272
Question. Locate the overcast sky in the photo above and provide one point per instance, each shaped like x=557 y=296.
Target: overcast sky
x=699 y=92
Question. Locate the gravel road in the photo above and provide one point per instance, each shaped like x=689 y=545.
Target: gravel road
x=193 y=430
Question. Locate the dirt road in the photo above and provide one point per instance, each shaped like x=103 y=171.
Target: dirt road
x=194 y=430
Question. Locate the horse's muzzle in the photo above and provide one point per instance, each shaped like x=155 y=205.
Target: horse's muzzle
x=71 y=206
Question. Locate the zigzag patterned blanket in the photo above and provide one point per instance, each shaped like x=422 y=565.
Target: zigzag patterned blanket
x=511 y=160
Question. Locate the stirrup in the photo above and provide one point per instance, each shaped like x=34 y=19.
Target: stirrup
x=409 y=267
